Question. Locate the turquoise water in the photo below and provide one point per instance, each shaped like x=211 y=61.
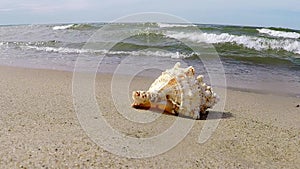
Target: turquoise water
x=253 y=57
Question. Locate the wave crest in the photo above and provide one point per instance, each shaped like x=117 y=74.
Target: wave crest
x=75 y=27
x=281 y=34
x=63 y=27
x=250 y=42
x=167 y=25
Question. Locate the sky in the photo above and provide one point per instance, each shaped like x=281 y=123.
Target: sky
x=277 y=13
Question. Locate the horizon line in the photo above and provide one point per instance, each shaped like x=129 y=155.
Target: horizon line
x=107 y=22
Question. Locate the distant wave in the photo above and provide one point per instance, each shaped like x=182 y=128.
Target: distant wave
x=167 y=25
x=63 y=27
x=74 y=26
x=276 y=33
x=104 y=52
x=250 y=42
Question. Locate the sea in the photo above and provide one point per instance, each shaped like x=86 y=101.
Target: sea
x=262 y=59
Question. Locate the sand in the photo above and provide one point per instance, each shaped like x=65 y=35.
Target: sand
x=40 y=129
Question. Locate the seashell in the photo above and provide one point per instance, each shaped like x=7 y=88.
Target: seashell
x=182 y=93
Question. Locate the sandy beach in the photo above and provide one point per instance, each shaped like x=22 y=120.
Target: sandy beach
x=40 y=129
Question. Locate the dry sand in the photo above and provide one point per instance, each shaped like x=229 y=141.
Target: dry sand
x=40 y=129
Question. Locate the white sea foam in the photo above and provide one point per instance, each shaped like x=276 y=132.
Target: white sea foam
x=62 y=27
x=256 y=43
x=58 y=50
x=167 y=25
x=293 y=35
x=176 y=55
x=4 y=44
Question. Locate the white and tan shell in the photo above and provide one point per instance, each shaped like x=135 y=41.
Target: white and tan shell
x=188 y=96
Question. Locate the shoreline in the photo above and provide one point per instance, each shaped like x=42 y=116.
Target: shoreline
x=39 y=127
x=249 y=90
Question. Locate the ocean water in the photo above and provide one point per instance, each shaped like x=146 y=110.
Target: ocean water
x=258 y=58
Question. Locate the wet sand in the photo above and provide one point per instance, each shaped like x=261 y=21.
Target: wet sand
x=40 y=129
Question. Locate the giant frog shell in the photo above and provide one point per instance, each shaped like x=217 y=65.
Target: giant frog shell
x=188 y=95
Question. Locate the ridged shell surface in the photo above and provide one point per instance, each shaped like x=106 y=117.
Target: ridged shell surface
x=189 y=95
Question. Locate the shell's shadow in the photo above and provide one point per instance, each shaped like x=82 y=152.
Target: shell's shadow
x=208 y=115
x=212 y=115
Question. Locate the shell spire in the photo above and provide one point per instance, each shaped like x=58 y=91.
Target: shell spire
x=184 y=94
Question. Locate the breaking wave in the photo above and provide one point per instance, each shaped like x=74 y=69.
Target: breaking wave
x=63 y=27
x=167 y=25
x=74 y=27
x=282 y=34
x=257 y=43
